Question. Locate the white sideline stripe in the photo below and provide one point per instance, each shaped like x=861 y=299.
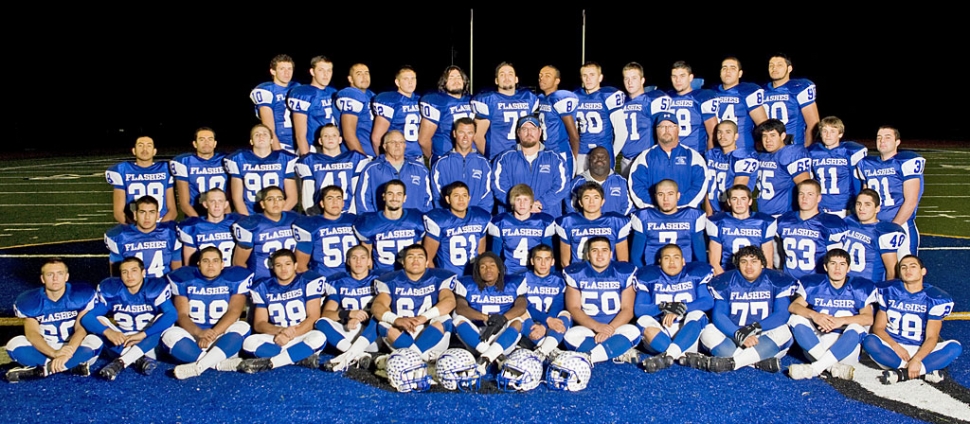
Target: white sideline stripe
x=47 y=205
x=21 y=229
x=70 y=192
x=56 y=224
x=61 y=164
x=917 y=393
x=66 y=256
x=58 y=182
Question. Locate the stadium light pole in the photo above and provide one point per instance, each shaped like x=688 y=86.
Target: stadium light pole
x=582 y=48
x=471 y=50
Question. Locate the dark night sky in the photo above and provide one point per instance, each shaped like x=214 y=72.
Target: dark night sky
x=79 y=76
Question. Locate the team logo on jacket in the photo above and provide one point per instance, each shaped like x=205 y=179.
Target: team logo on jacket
x=545 y=169
x=477 y=174
x=680 y=161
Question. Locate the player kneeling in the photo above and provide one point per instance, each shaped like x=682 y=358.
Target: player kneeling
x=489 y=310
x=130 y=314
x=831 y=314
x=346 y=317
x=672 y=304
x=750 y=319
x=209 y=301
x=285 y=307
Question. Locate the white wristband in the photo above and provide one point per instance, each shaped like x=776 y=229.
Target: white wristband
x=389 y=317
x=432 y=313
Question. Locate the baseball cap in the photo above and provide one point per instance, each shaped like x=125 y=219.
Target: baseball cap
x=664 y=117
x=528 y=119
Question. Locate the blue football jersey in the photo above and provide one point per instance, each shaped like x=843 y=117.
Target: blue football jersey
x=575 y=229
x=776 y=186
x=201 y=174
x=491 y=300
x=834 y=169
x=785 y=104
x=733 y=233
x=749 y=302
x=314 y=102
x=458 y=238
x=658 y=229
x=474 y=170
x=273 y=96
x=443 y=110
x=887 y=177
x=350 y=293
x=866 y=243
x=735 y=104
x=132 y=313
x=805 y=242
x=594 y=116
x=412 y=298
x=326 y=241
x=615 y=190
x=692 y=110
x=317 y=170
x=387 y=237
x=638 y=116
x=258 y=173
x=723 y=168
x=546 y=295
x=157 y=248
x=601 y=291
x=654 y=286
x=908 y=312
x=56 y=318
x=378 y=172
x=855 y=295
x=286 y=305
x=199 y=233
x=512 y=238
x=264 y=236
x=209 y=299
x=355 y=102
x=503 y=113
x=683 y=165
x=137 y=181
x=404 y=114
x=552 y=109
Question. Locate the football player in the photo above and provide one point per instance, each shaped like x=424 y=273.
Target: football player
x=387 y=232
x=599 y=115
x=393 y=165
x=54 y=340
x=329 y=167
x=615 y=190
x=322 y=241
x=834 y=164
x=465 y=164
x=600 y=294
x=727 y=167
x=668 y=159
x=737 y=227
x=213 y=229
x=548 y=318
x=285 y=308
x=489 y=310
x=656 y=227
x=258 y=236
x=576 y=228
x=875 y=246
x=130 y=314
x=740 y=102
x=544 y=171
x=440 y=109
x=346 y=319
x=196 y=173
x=791 y=101
x=253 y=170
x=516 y=232
x=142 y=177
x=780 y=168
x=311 y=106
x=805 y=235
x=270 y=100
x=557 y=113
x=155 y=243
x=356 y=119
x=898 y=178
x=414 y=303
x=905 y=337
x=497 y=112
x=672 y=303
x=398 y=111
x=455 y=235
x=831 y=313
x=695 y=109
x=209 y=299
x=639 y=110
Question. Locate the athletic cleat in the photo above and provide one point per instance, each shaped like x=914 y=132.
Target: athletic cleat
x=768 y=365
x=15 y=375
x=695 y=360
x=255 y=365
x=631 y=356
x=841 y=371
x=380 y=362
x=83 y=369
x=718 y=364
x=185 y=371
x=482 y=365
x=339 y=363
x=312 y=362
x=229 y=364
x=111 y=371
x=933 y=377
x=146 y=365
x=800 y=371
x=891 y=376
x=364 y=361
x=656 y=363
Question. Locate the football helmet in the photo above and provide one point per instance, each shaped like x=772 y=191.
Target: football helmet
x=407 y=372
x=569 y=371
x=455 y=369
x=522 y=371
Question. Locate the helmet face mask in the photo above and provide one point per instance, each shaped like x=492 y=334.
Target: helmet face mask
x=456 y=369
x=522 y=371
x=407 y=372
x=569 y=371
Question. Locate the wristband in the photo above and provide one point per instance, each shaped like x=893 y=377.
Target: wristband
x=389 y=317
x=432 y=313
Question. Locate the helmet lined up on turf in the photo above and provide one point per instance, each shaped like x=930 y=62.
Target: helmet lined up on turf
x=569 y=371
x=407 y=372
x=456 y=369
x=522 y=371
